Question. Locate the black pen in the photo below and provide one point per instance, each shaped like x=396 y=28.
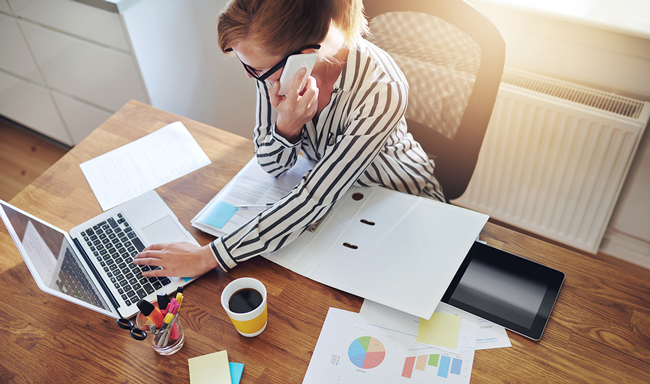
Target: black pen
x=253 y=206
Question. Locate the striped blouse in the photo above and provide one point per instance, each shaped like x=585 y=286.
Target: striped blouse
x=360 y=138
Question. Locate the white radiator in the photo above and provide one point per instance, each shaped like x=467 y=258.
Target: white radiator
x=555 y=157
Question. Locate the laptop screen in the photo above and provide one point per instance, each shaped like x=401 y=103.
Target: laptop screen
x=50 y=257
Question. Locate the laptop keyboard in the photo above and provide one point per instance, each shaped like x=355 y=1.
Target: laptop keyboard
x=115 y=244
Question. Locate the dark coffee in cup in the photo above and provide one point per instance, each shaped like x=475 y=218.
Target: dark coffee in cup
x=245 y=300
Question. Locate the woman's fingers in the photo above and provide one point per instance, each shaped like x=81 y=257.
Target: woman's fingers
x=311 y=96
x=176 y=259
x=298 y=83
x=297 y=108
x=273 y=95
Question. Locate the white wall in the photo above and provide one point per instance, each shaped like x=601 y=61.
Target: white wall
x=569 y=49
x=183 y=69
x=611 y=58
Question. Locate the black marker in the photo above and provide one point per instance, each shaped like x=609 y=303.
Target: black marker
x=163 y=301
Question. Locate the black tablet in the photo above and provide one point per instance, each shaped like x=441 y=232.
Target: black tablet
x=506 y=289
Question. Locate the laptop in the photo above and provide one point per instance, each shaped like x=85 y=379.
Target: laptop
x=92 y=265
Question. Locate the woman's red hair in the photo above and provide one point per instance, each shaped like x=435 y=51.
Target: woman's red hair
x=284 y=26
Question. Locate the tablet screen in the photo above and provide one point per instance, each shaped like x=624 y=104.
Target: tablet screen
x=506 y=289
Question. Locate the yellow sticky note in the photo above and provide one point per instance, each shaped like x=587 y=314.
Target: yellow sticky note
x=211 y=368
x=441 y=330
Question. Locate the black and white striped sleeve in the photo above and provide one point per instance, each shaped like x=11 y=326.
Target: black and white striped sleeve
x=368 y=116
x=274 y=153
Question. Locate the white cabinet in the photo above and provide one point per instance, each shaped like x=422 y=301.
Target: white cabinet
x=102 y=76
x=70 y=17
x=65 y=66
x=32 y=106
x=16 y=57
x=4 y=7
x=80 y=118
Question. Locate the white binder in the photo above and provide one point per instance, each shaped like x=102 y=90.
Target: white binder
x=392 y=248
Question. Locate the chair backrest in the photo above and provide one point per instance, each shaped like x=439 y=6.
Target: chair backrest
x=453 y=58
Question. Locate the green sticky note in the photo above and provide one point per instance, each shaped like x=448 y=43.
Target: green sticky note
x=217 y=215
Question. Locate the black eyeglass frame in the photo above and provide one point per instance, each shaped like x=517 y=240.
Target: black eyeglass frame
x=253 y=72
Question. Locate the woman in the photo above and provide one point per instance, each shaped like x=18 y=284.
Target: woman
x=348 y=116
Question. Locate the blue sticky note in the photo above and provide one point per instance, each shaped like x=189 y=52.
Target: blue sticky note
x=236 y=370
x=217 y=215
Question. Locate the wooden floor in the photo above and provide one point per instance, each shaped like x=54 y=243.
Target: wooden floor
x=24 y=155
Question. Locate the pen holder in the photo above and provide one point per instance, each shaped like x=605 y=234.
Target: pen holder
x=165 y=341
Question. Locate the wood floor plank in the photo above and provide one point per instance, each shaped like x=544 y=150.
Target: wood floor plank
x=23 y=157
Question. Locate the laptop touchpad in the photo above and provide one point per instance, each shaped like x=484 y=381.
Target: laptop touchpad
x=164 y=230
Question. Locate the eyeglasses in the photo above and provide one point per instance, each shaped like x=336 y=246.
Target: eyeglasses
x=260 y=75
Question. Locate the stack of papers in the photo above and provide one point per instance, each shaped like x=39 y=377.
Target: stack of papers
x=382 y=345
x=250 y=186
x=450 y=328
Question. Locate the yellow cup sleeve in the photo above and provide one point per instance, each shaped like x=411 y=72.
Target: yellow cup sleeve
x=251 y=326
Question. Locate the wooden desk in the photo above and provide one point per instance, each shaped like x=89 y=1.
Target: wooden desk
x=599 y=331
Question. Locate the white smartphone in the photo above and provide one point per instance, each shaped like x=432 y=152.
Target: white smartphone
x=292 y=66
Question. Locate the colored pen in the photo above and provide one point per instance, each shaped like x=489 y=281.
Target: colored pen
x=167 y=330
x=150 y=312
x=173 y=307
x=163 y=329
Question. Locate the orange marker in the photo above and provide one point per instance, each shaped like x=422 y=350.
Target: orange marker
x=150 y=312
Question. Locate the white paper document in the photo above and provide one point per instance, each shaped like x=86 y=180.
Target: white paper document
x=446 y=329
x=490 y=335
x=345 y=354
x=144 y=164
x=449 y=329
x=250 y=186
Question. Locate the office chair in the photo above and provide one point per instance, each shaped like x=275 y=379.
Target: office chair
x=453 y=58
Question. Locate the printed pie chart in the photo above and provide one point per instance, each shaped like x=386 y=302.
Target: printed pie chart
x=366 y=352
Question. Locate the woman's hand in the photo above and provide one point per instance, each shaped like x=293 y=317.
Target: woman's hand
x=176 y=259
x=297 y=107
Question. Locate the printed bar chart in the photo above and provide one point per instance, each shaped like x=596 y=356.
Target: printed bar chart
x=408 y=367
x=443 y=370
x=456 y=365
x=421 y=362
x=446 y=365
